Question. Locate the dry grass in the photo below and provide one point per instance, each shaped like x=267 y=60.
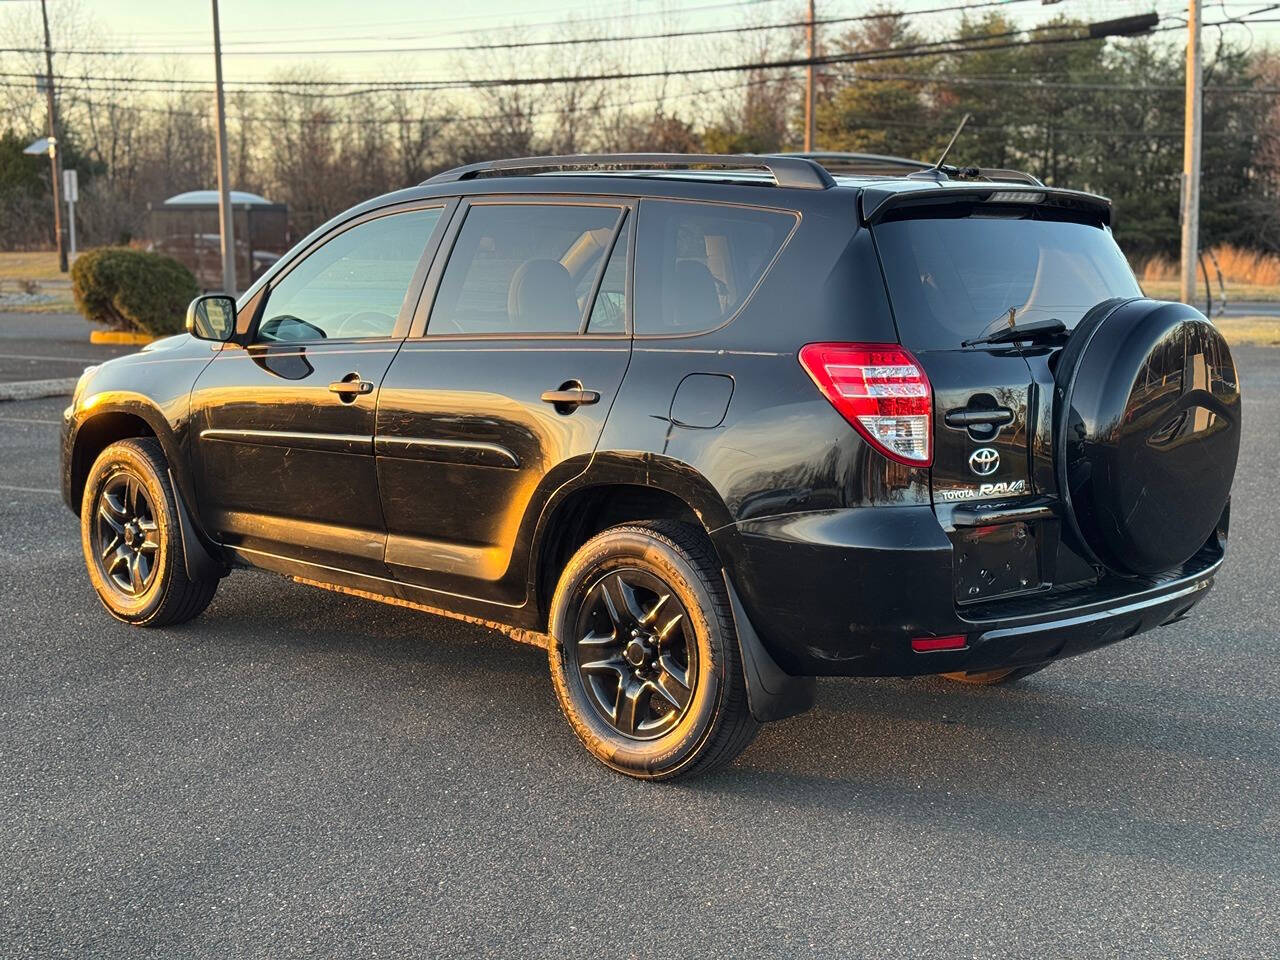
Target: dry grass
x=1248 y=275
x=34 y=272
x=38 y=265
x=1255 y=331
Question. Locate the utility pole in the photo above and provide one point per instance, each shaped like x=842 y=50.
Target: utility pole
x=1191 y=157
x=55 y=164
x=225 y=213
x=809 y=92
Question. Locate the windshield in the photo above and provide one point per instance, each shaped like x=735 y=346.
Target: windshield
x=950 y=277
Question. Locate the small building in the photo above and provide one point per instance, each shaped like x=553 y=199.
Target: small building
x=185 y=227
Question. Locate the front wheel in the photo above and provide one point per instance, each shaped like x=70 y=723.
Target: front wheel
x=131 y=537
x=645 y=659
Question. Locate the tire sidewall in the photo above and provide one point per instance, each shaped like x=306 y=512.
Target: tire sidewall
x=645 y=550
x=117 y=459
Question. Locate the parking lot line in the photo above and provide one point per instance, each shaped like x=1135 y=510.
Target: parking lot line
x=5 y=486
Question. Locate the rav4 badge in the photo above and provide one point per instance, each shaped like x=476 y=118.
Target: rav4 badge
x=1002 y=489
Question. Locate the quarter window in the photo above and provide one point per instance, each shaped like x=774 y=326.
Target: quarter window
x=696 y=263
x=523 y=268
x=354 y=285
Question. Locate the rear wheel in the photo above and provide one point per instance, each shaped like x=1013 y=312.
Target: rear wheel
x=131 y=538
x=991 y=678
x=645 y=658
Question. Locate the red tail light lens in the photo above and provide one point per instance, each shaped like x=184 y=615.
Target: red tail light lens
x=882 y=391
x=956 y=641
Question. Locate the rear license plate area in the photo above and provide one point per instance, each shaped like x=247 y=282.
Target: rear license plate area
x=995 y=561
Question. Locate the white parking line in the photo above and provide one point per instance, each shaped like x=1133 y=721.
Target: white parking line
x=5 y=486
x=26 y=420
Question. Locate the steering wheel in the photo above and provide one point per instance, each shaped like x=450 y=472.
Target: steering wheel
x=365 y=323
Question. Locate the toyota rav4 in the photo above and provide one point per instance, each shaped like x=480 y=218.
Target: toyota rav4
x=704 y=427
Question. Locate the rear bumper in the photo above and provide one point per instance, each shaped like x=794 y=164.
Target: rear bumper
x=843 y=592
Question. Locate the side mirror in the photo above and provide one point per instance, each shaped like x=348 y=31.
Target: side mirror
x=212 y=317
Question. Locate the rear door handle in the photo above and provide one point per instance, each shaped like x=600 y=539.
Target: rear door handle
x=575 y=397
x=351 y=387
x=966 y=417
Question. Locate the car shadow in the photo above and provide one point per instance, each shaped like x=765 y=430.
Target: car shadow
x=1047 y=757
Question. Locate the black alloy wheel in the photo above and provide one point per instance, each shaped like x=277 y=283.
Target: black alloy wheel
x=635 y=653
x=645 y=659
x=125 y=535
x=130 y=532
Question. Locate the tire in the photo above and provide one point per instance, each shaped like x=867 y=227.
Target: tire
x=992 y=678
x=645 y=658
x=132 y=541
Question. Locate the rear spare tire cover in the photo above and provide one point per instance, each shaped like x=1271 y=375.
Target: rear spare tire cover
x=1146 y=433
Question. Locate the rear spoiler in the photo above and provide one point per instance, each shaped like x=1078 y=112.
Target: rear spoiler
x=877 y=201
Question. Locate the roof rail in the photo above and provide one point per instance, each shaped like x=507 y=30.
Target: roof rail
x=796 y=172
x=1016 y=176
x=874 y=164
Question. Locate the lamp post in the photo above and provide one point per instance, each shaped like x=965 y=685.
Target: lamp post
x=55 y=164
x=225 y=213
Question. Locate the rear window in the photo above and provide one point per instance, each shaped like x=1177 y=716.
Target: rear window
x=696 y=263
x=951 y=277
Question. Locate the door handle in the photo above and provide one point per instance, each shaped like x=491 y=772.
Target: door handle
x=966 y=417
x=351 y=387
x=574 y=397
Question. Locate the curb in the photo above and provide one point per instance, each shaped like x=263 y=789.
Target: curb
x=120 y=337
x=35 y=389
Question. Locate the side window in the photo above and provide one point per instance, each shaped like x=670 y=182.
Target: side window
x=352 y=286
x=523 y=268
x=609 y=313
x=696 y=263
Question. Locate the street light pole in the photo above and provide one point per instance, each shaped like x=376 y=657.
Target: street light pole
x=55 y=164
x=225 y=213
x=1191 y=157
x=809 y=119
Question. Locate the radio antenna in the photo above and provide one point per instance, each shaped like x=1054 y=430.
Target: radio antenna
x=952 y=143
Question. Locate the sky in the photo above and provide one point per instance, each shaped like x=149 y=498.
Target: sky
x=170 y=41
x=256 y=32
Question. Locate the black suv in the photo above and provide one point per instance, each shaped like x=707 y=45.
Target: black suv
x=705 y=427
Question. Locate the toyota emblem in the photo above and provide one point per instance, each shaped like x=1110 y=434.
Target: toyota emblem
x=984 y=461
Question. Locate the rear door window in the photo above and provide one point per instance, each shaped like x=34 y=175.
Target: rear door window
x=697 y=263
x=953 y=273
x=524 y=268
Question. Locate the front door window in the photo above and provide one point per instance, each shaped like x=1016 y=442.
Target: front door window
x=353 y=287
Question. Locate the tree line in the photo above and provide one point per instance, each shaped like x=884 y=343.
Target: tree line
x=1102 y=115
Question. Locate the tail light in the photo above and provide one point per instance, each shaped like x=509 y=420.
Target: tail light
x=882 y=391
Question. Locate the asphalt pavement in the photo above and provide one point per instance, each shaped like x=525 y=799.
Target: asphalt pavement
x=48 y=346
x=300 y=773
x=1252 y=308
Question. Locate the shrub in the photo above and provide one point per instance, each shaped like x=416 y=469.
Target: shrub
x=132 y=290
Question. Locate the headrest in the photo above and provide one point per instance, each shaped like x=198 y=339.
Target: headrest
x=541 y=299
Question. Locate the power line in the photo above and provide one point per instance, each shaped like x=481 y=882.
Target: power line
x=524 y=44
x=440 y=118
x=976 y=44
x=571 y=21
x=1031 y=83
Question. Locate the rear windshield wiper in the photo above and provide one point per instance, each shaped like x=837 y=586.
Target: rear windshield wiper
x=1037 y=331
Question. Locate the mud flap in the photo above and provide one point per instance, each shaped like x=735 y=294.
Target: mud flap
x=199 y=562
x=772 y=693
